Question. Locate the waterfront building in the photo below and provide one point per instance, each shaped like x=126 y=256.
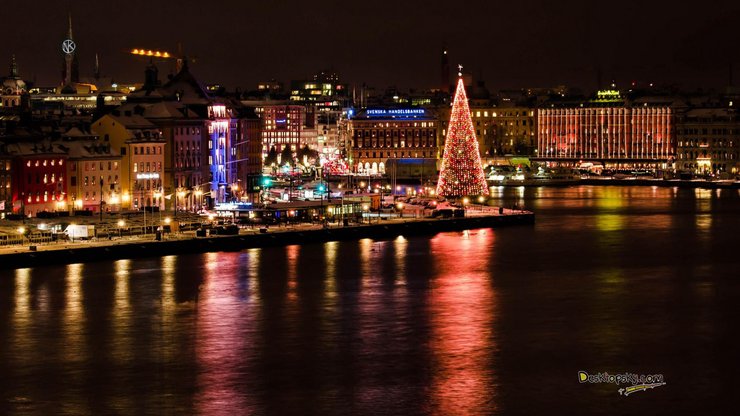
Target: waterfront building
x=379 y=134
x=248 y=158
x=146 y=170
x=38 y=176
x=137 y=141
x=94 y=175
x=208 y=139
x=708 y=141
x=610 y=129
x=283 y=126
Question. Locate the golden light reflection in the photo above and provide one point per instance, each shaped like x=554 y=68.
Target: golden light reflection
x=400 y=244
x=168 y=266
x=330 y=253
x=463 y=309
x=253 y=260
x=703 y=225
x=74 y=320
x=22 y=319
x=291 y=255
x=366 y=251
x=22 y=296
x=122 y=312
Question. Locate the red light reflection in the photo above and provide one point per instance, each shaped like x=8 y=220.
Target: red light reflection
x=462 y=309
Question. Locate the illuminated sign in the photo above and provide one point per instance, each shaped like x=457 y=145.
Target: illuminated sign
x=68 y=46
x=396 y=112
x=608 y=95
x=147 y=176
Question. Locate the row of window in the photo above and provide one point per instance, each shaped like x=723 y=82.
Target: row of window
x=428 y=153
x=426 y=142
x=148 y=166
x=46 y=178
x=705 y=131
x=187 y=146
x=148 y=184
x=395 y=133
x=148 y=150
x=187 y=163
x=90 y=166
x=712 y=155
x=192 y=131
x=91 y=180
x=705 y=143
x=46 y=196
x=479 y=114
x=44 y=162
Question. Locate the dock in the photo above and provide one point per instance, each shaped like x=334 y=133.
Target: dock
x=184 y=243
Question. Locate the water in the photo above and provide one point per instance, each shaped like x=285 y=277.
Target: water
x=641 y=280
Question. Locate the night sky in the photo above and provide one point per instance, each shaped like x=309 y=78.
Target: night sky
x=511 y=44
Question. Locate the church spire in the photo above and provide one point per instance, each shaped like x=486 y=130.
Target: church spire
x=69 y=33
x=13 y=67
x=97 y=67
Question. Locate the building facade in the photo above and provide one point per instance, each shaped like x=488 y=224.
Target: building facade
x=283 y=126
x=379 y=134
x=609 y=130
x=94 y=174
x=122 y=129
x=38 y=180
x=708 y=141
x=146 y=171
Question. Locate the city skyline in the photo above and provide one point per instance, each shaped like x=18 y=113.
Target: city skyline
x=508 y=46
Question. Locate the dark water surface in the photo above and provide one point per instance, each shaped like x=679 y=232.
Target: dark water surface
x=498 y=321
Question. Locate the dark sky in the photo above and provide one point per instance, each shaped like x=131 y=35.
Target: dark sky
x=514 y=43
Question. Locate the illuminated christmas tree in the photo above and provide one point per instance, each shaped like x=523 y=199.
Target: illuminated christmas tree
x=461 y=173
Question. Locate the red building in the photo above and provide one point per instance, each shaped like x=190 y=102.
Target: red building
x=608 y=129
x=38 y=179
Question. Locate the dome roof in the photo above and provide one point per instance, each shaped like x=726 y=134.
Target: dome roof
x=13 y=86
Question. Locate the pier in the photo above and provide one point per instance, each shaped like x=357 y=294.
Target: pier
x=96 y=250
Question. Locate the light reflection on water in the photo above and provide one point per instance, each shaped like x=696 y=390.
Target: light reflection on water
x=463 y=314
x=478 y=322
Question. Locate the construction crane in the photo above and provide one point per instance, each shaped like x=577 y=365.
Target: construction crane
x=153 y=54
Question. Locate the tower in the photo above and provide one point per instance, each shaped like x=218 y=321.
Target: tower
x=461 y=173
x=71 y=71
x=13 y=68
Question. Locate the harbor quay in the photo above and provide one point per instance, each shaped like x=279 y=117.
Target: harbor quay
x=372 y=226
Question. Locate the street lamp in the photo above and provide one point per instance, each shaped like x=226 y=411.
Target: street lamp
x=121 y=224
x=400 y=209
x=198 y=195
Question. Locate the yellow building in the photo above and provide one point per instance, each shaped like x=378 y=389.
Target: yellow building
x=131 y=134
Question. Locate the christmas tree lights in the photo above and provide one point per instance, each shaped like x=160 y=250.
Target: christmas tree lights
x=461 y=173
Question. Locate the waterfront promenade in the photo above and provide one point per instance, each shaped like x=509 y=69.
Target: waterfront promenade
x=373 y=226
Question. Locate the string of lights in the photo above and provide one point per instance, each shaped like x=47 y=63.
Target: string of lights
x=461 y=173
